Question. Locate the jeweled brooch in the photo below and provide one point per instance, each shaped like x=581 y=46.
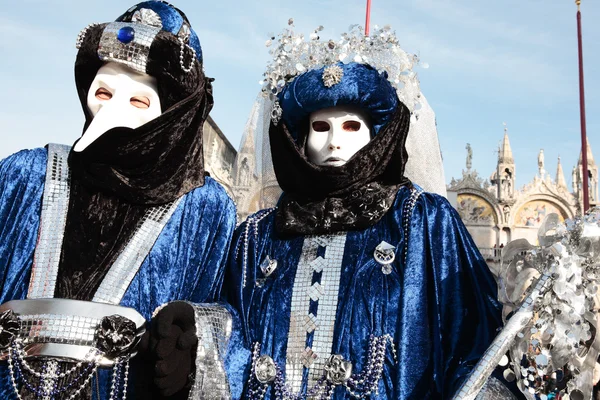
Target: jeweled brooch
x=332 y=75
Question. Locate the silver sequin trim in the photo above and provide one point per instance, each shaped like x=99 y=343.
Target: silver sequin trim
x=302 y=322
x=53 y=328
x=55 y=204
x=213 y=328
x=119 y=277
x=133 y=54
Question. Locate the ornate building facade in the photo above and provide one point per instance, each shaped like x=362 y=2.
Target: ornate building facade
x=495 y=212
x=237 y=170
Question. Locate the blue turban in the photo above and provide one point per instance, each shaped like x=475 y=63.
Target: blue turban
x=361 y=86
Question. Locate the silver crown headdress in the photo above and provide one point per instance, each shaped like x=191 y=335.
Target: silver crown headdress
x=293 y=55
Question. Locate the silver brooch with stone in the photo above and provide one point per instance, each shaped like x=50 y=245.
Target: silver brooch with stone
x=385 y=255
x=265 y=369
x=268 y=266
x=337 y=369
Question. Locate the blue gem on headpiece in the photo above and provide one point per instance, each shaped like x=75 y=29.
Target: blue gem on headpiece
x=165 y=16
x=126 y=34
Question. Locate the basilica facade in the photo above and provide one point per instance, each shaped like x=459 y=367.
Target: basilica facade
x=496 y=212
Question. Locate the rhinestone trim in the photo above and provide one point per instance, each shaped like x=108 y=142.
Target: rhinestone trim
x=55 y=205
x=244 y=244
x=409 y=207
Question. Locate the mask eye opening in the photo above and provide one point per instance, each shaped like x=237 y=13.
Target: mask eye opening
x=321 y=126
x=140 y=102
x=103 y=94
x=351 y=126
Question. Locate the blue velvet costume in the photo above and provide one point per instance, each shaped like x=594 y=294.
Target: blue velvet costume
x=136 y=204
x=439 y=306
x=186 y=261
x=313 y=303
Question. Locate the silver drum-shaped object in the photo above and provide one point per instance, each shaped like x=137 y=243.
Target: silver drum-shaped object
x=65 y=329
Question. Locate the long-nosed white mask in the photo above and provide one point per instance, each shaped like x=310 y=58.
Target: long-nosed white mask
x=336 y=134
x=119 y=97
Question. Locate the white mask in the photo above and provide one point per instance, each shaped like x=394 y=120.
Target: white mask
x=119 y=97
x=336 y=134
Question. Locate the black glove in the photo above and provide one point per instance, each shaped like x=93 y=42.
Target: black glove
x=172 y=343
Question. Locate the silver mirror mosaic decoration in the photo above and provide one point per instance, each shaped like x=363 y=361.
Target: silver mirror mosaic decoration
x=128 y=44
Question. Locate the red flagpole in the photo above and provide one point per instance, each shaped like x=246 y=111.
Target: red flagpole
x=584 y=160
x=368 y=21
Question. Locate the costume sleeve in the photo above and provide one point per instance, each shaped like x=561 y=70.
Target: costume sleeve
x=464 y=312
x=21 y=189
x=249 y=241
x=203 y=236
x=213 y=321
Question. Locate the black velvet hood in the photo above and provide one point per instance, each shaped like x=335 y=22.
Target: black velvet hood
x=163 y=159
x=125 y=172
x=325 y=199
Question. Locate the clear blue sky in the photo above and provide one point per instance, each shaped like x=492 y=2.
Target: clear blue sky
x=490 y=62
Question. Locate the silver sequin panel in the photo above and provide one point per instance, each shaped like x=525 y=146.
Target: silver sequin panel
x=119 y=277
x=213 y=328
x=54 y=328
x=55 y=204
x=302 y=322
x=133 y=54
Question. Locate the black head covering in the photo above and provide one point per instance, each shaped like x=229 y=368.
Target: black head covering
x=162 y=159
x=119 y=176
x=325 y=199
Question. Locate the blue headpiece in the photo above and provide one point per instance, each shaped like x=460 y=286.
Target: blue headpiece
x=128 y=40
x=351 y=84
x=370 y=72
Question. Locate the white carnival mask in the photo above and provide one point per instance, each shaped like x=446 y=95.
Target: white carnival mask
x=119 y=97
x=336 y=134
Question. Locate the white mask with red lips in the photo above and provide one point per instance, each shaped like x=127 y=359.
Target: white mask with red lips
x=119 y=97
x=336 y=134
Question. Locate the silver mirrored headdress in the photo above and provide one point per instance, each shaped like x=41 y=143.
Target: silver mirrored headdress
x=293 y=55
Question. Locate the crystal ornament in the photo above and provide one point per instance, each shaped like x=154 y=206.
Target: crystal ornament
x=148 y=17
x=126 y=34
x=293 y=55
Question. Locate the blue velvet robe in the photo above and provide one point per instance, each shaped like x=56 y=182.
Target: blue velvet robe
x=440 y=306
x=186 y=263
